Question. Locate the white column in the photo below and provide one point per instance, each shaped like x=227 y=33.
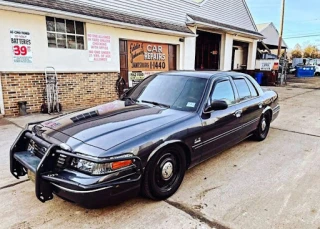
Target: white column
x=222 y=51
x=189 y=55
x=252 y=52
x=226 y=52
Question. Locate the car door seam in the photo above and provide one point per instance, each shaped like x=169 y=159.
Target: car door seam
x=225 y=134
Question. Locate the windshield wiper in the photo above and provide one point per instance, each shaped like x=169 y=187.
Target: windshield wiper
x=156 y=103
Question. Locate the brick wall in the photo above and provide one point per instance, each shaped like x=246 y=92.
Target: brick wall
x=76 y=90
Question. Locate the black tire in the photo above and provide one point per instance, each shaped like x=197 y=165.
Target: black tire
x=158 y=183
x=262 y=130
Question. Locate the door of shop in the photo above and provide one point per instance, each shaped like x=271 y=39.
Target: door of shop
x=124 y=59
x=207 y=51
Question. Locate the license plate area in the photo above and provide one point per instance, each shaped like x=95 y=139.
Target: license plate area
x=31 y=176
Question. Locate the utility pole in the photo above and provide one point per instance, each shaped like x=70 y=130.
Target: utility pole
x=281 y=27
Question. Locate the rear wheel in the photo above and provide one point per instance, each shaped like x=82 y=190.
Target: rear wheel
x=164 y=173
x=262 y=130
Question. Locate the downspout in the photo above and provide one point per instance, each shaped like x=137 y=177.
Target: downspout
x=1 y=97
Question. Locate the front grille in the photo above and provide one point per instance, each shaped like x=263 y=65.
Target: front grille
x=37 y=149
x=59 y=160
x=62 y=161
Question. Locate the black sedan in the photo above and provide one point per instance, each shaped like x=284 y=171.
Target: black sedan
x=145 y=141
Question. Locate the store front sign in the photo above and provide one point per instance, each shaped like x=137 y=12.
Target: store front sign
x=99 y=47
x=21 y=46
x=146 y=59
x=266 y=66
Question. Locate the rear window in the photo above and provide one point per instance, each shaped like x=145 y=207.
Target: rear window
x=243 y=89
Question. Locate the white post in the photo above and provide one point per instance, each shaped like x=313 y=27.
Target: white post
x=226 y=52
x=189 y=53
x=252 y=53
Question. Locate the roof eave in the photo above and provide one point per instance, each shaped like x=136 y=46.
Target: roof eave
x=45 y=11
x=199 y=24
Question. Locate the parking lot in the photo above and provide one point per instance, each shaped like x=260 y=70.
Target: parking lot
x=270 y=184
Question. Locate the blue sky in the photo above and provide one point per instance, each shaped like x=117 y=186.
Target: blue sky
x=302 y=17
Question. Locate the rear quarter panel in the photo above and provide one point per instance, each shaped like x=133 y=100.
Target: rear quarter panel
x=271 y=101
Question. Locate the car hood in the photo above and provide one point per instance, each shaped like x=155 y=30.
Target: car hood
x=104 y=129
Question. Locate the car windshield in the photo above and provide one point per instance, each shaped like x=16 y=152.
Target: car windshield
x=177 y=92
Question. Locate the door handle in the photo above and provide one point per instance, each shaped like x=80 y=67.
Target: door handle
x=238 y=113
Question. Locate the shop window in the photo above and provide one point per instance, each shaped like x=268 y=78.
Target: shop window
x=62 y=33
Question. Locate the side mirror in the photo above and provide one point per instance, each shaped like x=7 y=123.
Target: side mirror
x=217 y=105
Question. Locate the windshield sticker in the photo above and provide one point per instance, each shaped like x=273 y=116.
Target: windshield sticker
x=189 y=104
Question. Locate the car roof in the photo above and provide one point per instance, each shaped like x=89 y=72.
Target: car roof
x=201 y=74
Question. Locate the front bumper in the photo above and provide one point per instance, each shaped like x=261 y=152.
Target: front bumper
x=53 y=178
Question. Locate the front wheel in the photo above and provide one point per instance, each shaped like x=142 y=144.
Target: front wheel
x=164 y=173
x=262 y=130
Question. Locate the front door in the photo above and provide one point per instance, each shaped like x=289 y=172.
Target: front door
x=123 y=48
x=220 y=127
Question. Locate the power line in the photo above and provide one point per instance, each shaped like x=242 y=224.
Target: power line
x=314 y=35
x=302 y=33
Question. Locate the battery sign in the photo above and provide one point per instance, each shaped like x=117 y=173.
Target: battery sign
x=21 y=46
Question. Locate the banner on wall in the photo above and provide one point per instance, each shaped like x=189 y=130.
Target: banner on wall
x=99 y=47
x=21 y=46
x=145 y=59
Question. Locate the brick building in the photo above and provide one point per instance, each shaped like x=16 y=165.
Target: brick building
x=90 y=42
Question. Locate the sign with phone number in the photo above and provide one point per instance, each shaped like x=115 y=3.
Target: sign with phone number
x=21 y=46
x=146 y=58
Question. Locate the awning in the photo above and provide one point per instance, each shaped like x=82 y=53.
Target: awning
x=210 y=24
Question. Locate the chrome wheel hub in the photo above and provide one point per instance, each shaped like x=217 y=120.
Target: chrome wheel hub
x=263 y=124
x=167 y=170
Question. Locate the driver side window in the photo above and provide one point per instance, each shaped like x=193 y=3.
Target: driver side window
x=223 y=91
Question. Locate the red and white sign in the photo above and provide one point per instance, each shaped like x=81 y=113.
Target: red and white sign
x=99 y=47
x=21 y=46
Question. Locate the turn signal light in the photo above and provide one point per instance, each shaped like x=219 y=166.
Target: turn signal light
x=121 y=164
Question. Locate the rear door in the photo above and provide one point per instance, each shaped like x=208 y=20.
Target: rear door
x=219 y=127
x=250 y=106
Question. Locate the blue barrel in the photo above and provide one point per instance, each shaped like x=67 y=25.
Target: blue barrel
x=258 y=77
x=305 y=71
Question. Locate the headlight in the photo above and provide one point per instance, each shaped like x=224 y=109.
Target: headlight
x=100 y=168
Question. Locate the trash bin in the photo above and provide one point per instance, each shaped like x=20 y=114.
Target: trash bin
x=258 y=77
x=305 y=71
x=22 y=107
